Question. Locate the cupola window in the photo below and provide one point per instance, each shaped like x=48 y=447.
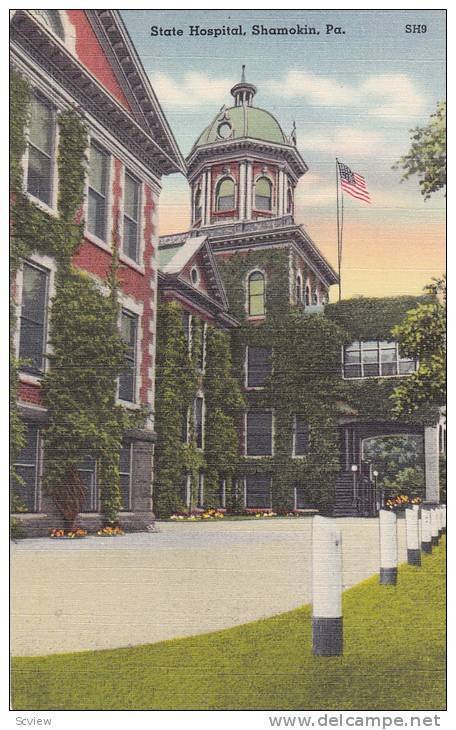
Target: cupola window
x=256 y=294
x=263 y=194
x=224 y=196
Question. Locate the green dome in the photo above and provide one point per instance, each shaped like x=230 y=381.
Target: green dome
x=242 y=121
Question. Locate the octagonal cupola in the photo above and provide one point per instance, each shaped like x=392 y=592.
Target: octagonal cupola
x=243 y=166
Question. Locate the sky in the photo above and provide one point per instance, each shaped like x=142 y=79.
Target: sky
x=354 y=95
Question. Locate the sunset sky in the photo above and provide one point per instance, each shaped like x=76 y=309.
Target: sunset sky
x=354 y=95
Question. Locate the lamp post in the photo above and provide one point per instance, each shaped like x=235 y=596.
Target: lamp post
x=354 y=469
x=377 y=501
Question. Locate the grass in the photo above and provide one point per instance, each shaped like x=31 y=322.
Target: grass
x=394 y=659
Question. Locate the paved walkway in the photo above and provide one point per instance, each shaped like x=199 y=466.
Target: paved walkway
x=188 y=578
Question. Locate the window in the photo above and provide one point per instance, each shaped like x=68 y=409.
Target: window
x=129 y=333
x=40 y=151
x=256 y=289
x=125 y=476
x=32 y=332
x=26 y=468
x=263 y=194
x=200 y=489
x=298 y=288
x=87 y=474
x=258 y=491
x=300 y=436
x=307 y=295
x=315 y=296
x=289 y=200
x=259 y=366
x=197 y=204
x=194 y=275
x=187 y=325
x=259 y=433
x=98 y=187
x=301 y=501
x=224 y=195
x=202 y=352
x=131 y=217
x=198 y=419
x=375 y=358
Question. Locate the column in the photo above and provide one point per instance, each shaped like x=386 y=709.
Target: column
x=248 y=191
x=207 y=199
x=431 y=464
x=242 y=188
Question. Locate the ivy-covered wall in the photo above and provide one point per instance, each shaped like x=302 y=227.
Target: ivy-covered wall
x=87 y=350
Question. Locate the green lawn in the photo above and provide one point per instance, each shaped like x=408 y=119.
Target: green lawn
x=394 y=660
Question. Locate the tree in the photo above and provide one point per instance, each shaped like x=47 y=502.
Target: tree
x=422 y=336
x=427 y=155
x=391 y=455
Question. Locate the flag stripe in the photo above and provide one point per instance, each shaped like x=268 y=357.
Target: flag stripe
x=353 y=184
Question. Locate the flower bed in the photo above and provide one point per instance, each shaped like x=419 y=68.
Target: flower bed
x=401 y=502
x=76 y=533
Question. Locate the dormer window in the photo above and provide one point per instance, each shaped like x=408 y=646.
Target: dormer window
x=263 y=194
x=224 y=194
x=194 y=274
x=197 y=204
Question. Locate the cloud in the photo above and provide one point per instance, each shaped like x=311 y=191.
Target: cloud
x=385 y=95
x=350 y=142
x=193 y=89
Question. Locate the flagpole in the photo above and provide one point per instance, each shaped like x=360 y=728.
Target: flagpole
x=339 y=242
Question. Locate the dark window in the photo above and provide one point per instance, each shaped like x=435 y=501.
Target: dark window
x=301 y=500
x=259 y=366
x=256 y=293
x=197 y=204
x=315 y=297
x=125 y=476
x=98 y=185
x=131 y=217
x=307 y=296
x=127 y=380
x=258 y=491
x=298 y=288
x=40 y=151
x=263 y=194
x=259 y=433
x=186 y=323
x=26 y=468
x=301 y=436
x=289 y=201
x=32 y=334
x=198 y=406
x=87 y=473
x=372 y=358
x=202 y=352
x=224 y=196
x=200 y=489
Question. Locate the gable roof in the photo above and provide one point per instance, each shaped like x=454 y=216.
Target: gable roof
x=142 y=128
x=173 y=258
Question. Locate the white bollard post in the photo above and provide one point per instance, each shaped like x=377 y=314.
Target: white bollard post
x=327 y=634
x=434 y=526
x=444 y=518
x=388 y=547
x=426 y=537
x=413 y=537
x=439 y=520
x=418 y=510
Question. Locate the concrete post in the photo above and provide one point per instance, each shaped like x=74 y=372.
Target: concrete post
x=413 y=538
x=418 y=510
x=426 y=538
x=434 y=526
x=431 y=464
x=327 y=636
x=388 y=547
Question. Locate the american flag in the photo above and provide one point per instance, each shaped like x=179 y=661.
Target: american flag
x=353 y=184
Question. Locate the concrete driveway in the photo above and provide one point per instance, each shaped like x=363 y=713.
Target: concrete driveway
x=185 y=579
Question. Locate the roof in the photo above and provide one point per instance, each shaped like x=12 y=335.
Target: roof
x=245 y=121
x=172 y=259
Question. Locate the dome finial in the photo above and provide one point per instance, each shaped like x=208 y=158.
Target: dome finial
x=243 y=92
x=243 y=74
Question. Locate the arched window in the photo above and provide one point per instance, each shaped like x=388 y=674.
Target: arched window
x=289 y=200
x=307 y=295
x=198 y=204
x=224 y=194
x=298 y=288
x=315 y=296
x=263 y=194
x=256 y=290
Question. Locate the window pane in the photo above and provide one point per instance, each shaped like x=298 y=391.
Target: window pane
x=198 y=421
x=27 y=469
x=86 y=473
x=301 y=436
x=258 y=491
x=225 y=195
x=41 y=126
x=98 y=170
x=39 y=175
x=388 y=359
x=259 y=433
x=125 y=475
x=406 y=366
x=256 y=305
x=130 y=239
x=259 y=366
x=33 y=318
x=352 y=371
x=127 y=380
x=256 y=283
x=96 y=222
x=352 y=357
x=186 y=324
x=131 y=197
